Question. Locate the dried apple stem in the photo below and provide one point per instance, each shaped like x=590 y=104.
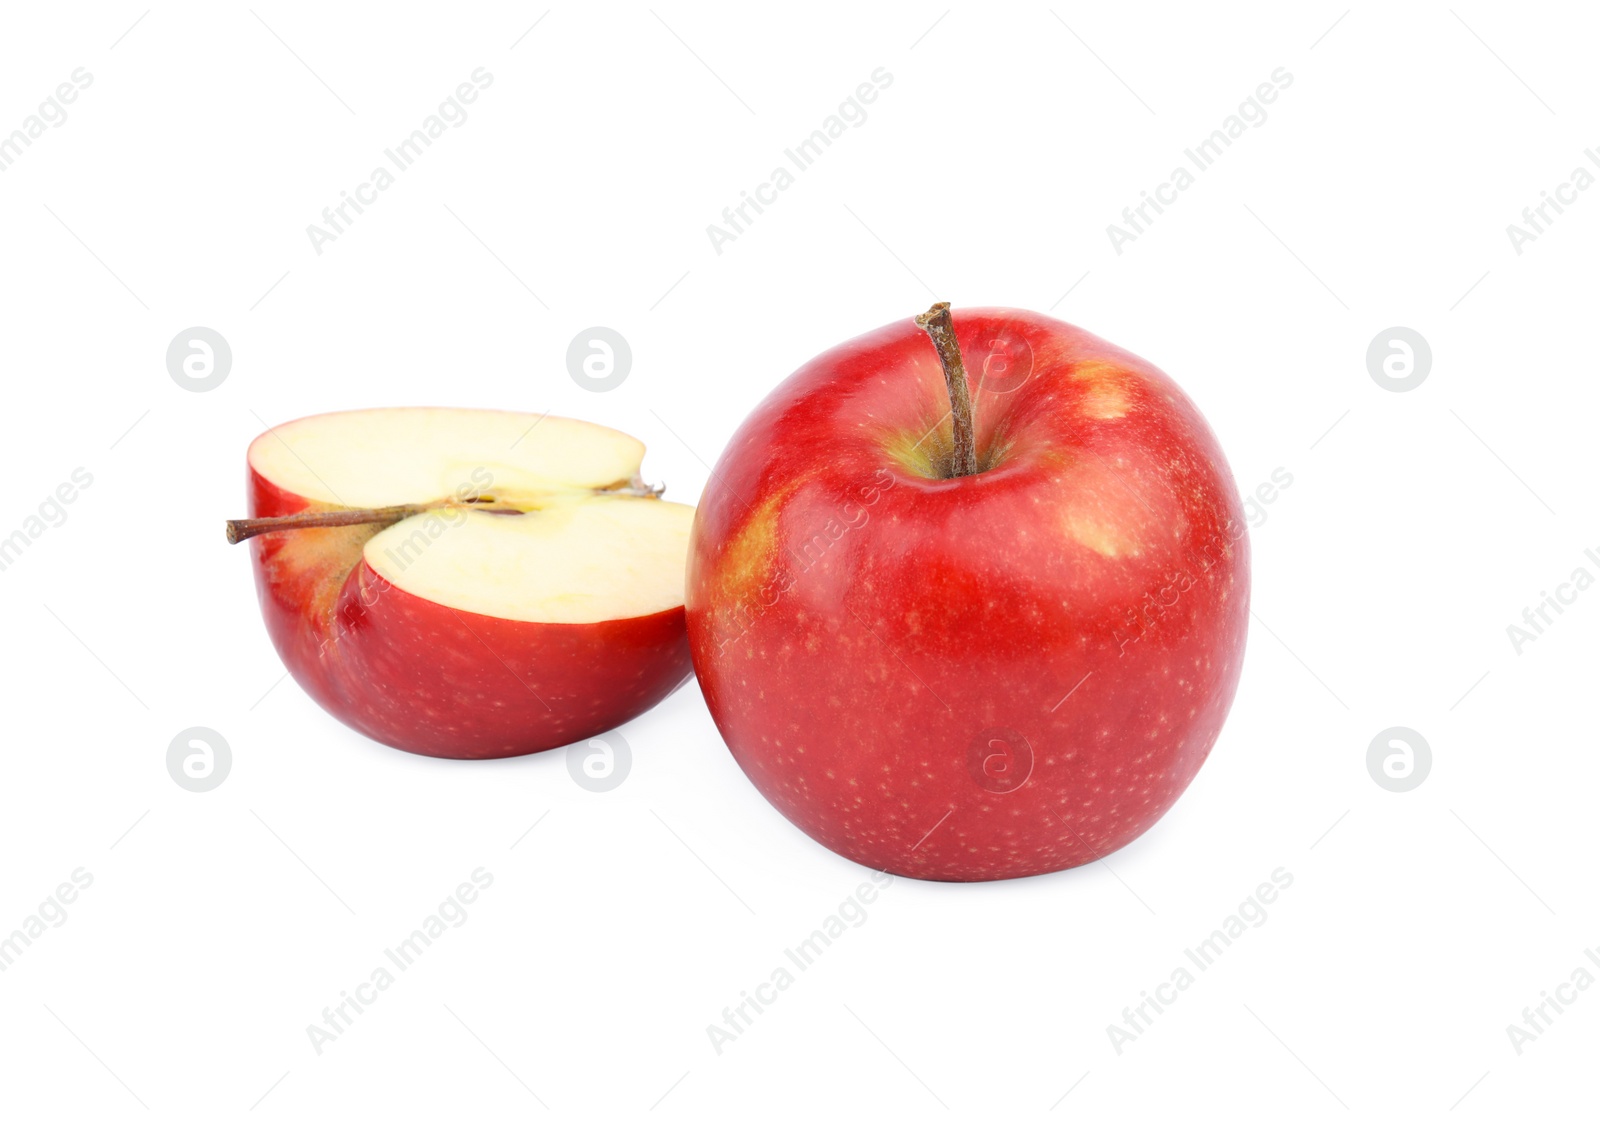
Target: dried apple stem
x=941 y=329
x=242 y=529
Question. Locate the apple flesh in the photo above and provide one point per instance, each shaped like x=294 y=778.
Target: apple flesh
x=971 y=676
x=532 y=598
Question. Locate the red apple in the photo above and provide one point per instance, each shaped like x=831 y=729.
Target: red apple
x=465 y=583
x=971 y=643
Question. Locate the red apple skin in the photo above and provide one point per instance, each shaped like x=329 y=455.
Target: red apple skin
x=434 y=680
x=977 y=678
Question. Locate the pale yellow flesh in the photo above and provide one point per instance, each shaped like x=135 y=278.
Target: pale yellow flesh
x=387 y=457
x=575 y=556
x=574 y=561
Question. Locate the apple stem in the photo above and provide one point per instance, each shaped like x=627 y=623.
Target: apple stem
x=242 y=529
x=941 y=329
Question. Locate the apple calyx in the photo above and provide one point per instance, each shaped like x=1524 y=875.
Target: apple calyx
x=242 y=529
x=939 y=325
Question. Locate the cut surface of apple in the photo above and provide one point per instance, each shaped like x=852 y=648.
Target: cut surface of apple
x=533 y=597
x=384 y=457
x=571 y=560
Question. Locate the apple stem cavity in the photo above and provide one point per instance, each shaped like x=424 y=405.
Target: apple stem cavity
x=634 y=488
x=942 y=330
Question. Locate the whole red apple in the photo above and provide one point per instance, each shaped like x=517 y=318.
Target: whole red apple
x=971 y=632
x=467 y=583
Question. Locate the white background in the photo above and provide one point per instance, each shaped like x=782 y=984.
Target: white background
x=1418 y=526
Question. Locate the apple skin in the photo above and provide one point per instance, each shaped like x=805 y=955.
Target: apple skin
x=435 y=680
x=977 y=678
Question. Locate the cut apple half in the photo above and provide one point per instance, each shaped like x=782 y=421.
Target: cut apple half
x=468 y=583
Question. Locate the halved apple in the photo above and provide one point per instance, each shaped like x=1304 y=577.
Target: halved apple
x=467 y=583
